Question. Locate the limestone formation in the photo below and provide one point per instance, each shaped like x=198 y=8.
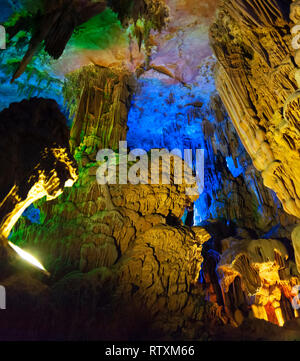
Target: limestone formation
x=35 y=156
x=243 y=199
x=296 y=244
x=133 y=233
x=100 y=99
x=124 y=264
x=54 y=24
x=255 y=77
x=258 y=273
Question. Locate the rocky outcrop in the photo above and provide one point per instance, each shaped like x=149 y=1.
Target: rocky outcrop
x=250 y=279
x=132 y=232
x=134 y=235
x=131 y=236
x=195 y=118
x=54 y=24
x=240 y=196
x=100 y=99
x=255 y=77
x=35 y=154
x=260 y=273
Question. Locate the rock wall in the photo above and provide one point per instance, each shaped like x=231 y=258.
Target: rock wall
x=255 y=77
x=132 y=236
x=174 y=116
x=100 y=99
x=35 y=155
x=251 y=278
x=131 y=232
x=258 y=273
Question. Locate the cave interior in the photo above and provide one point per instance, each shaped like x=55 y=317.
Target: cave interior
x=151 y=170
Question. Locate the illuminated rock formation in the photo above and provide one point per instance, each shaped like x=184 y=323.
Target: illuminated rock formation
x=296 y=245
x=258 y=273
x=35 y=156
x=255 y=77
x=100 y=98
x=54 y=24
x=173 y=116
x=133 y=233
x=124 y=255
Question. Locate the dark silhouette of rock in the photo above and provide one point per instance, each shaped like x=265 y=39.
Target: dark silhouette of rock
x=55 y=25
x=35 y=158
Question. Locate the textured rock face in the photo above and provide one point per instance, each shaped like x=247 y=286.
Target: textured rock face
x=255 y=77
x=241 y=196
x=172 y=116
x=250 y=279
x=123 y=248
x=101 y=100
x=35 y=155
x=260 y=272
x=109 y=218
x=296 y=245
x=54 y=25
x=132 y=236
x=175 y=51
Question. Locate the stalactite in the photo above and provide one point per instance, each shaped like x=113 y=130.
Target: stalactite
x=254 y=90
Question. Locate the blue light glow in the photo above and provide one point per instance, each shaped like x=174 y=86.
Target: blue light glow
x=173 y=116
x=235 y=169
x=33 y=214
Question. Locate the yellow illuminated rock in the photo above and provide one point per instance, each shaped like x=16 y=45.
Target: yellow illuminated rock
x=256 y=80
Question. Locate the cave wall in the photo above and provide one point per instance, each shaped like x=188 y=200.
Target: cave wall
x=174 y=116
x=131 y=234
x=255 y=77
x=128 y=244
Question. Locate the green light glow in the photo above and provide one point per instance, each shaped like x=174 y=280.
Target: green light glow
x=99 y=33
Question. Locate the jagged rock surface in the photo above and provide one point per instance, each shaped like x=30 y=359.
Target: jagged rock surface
x=252 y=279
x=35 y=155
x=129 y=234
x=133 y=233
x=255 y=77
x=100 y=97
x=243 y=198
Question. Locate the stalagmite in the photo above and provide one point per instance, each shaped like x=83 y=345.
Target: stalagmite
x=100 y=99
x=267 y=277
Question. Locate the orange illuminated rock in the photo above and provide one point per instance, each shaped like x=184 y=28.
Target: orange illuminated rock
x=260 y=274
